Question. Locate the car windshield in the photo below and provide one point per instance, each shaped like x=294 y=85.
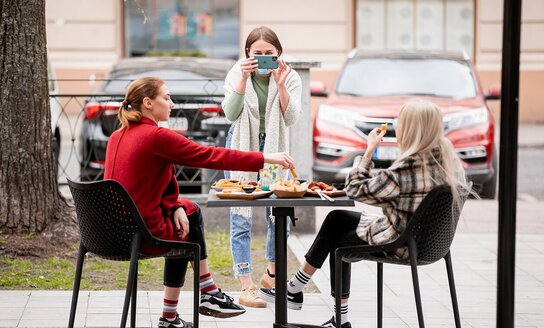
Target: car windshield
x=374 y=77
x=178 y=82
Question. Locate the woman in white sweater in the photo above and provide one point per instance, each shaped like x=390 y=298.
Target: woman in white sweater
x=262 y=104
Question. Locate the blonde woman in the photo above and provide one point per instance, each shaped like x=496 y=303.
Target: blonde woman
x=427 y=160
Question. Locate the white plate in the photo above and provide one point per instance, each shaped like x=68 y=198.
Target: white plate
x=386 y=153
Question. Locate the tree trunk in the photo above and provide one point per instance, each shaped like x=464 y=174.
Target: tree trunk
x=29 y=198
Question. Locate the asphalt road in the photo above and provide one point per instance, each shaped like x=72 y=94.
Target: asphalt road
x=531 y=173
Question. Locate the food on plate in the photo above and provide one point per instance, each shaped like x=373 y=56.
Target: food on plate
x=317 y=185
x=288 y=185
x=383 y=127
x=226 y=183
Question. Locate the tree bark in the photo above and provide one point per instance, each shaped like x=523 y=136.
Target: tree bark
x=29 y=198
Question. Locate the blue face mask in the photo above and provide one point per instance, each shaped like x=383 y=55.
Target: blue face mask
x=262 y=71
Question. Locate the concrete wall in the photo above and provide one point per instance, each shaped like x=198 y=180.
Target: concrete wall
x=489 y=54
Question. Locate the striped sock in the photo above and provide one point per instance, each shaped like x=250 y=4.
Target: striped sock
x=298 y=281
x=343 y=313
x=169 y=309
x=207 y=285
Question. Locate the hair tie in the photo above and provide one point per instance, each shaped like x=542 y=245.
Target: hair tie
x=125 y=105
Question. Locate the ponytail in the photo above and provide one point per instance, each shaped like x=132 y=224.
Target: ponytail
x=130 y=110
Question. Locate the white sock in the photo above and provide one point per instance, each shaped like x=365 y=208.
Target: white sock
x=343 y=313
x=298 y=281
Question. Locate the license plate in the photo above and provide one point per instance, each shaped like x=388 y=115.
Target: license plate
x=386 y=153
x=178 y=124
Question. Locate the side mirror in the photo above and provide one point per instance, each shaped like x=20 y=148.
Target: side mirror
x=494 y=92
x=318 y=89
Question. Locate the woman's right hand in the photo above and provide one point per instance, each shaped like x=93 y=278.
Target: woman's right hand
x=248 y=66
x=374 y=138
x=282 y=159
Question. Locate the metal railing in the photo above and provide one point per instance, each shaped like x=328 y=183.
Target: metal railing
x=82 y=124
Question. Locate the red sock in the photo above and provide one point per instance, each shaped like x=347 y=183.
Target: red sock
x=207 y=285
x=169 y=309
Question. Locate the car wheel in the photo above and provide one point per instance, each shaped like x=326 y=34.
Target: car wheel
x=489 y=189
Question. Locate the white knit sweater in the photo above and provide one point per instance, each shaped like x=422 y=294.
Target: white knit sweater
x=246 y=132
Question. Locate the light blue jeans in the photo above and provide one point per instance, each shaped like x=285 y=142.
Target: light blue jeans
x=240 y=230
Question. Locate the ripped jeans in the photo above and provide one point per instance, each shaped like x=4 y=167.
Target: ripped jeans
x=240 y=229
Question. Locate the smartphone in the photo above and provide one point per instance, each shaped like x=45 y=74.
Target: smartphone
x=267 y=61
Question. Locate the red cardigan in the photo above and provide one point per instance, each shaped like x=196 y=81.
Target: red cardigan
x=142 y=157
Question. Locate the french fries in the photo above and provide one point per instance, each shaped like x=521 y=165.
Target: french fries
x=288 y=185
x=383 y=127
x=294 y=173
x=227 y=183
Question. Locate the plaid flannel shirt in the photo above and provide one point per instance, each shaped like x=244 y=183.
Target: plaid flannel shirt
x=398 y=189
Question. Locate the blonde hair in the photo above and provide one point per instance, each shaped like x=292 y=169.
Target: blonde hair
x=422 y=131
x=130 y=110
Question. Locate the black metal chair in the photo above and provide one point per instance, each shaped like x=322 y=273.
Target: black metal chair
x=111 y=227
x=428 y=235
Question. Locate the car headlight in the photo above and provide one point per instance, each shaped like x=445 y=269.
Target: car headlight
x=465 y=119
x=336 y=115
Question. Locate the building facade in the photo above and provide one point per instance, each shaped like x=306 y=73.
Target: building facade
x=86 y=37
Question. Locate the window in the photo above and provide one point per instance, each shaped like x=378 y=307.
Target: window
x=207 y=28
x=415 y=24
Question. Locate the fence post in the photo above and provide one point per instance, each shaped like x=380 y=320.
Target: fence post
x=301 y=133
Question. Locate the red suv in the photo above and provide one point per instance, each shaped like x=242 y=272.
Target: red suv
x=371 y=89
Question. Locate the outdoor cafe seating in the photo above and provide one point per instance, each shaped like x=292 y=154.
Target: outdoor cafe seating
x=428 y=235
x=111 y=227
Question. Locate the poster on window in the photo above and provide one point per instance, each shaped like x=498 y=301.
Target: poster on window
x=206 y=28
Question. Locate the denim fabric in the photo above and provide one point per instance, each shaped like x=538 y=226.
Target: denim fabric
x=240 y=230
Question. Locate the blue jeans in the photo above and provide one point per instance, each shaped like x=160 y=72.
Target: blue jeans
x=240 y=230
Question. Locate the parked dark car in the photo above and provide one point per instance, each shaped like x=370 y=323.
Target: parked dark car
x=371 y=89
x=196 y=86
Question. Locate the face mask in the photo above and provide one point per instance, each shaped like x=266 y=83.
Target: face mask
x=262 y=71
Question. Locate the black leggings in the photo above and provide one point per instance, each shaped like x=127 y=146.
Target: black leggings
x=337 y=230
x=176 y=268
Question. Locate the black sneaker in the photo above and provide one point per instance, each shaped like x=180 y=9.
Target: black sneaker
x=332 y=323
x=294 y=301
x=176 y=323
x=219 y=305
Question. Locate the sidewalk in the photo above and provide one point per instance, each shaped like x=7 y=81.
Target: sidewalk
x=474 y=254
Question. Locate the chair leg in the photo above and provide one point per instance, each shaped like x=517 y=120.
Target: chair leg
x=380 y=295
x=77 y=283
x=449 y=269
x=134 y=297
x=338 y=289
x=412 y=248
x=196 y=286
x=131 y=272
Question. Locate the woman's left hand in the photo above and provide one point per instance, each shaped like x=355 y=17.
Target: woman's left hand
x=280 y=74
x=182 y=222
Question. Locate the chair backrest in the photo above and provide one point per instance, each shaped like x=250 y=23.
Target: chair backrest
x=107 y=217
x=433 y=225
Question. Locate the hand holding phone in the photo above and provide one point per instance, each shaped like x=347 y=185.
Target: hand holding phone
x=267 y=61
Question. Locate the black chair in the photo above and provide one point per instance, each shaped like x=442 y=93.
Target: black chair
x=111 y=227
x=428 y=235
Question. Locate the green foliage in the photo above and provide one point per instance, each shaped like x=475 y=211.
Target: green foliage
x=52 y=273
x=99 y=274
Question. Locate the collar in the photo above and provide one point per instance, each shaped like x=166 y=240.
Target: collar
x=145 y=120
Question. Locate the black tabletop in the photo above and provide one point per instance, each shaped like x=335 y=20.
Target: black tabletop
x=214 y=201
